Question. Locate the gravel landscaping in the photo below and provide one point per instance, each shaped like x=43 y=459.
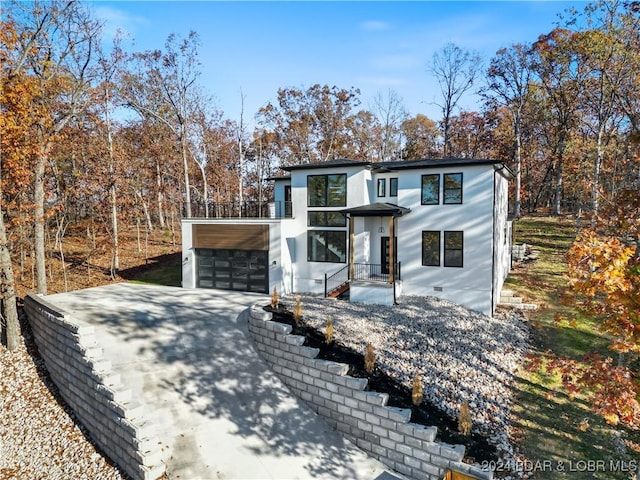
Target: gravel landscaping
x=459 y=354
x=38 y=436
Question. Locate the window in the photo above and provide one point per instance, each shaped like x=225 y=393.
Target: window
x=326 y=246
x=326 y=219
x=431 y=249
x=430 y=189
x=327 y=190
x=393 y=187
x=453 y=249
x=382 y=187
x=452 y=188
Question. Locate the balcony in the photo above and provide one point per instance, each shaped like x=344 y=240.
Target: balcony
x=250 y=209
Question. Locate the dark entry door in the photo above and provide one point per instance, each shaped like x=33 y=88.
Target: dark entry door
x=384 y=250
x=244 y=270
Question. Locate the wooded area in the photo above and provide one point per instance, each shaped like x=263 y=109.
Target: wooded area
x=98 y=138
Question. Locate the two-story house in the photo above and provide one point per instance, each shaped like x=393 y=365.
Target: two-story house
x=377 y=231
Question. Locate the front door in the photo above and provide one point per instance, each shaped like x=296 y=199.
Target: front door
x=384 y=250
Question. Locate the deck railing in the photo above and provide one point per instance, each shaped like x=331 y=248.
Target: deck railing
x=250 y=209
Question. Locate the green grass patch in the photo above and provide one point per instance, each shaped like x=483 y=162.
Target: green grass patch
x=547 y=422
x=162 y=270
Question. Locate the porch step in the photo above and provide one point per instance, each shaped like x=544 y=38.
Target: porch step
x=508 y=298
x=338 y=291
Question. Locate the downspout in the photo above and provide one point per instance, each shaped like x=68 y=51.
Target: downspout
x=493 y=247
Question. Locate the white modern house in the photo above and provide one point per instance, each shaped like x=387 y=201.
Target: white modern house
x=372 y=231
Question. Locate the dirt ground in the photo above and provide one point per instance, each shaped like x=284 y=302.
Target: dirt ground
x=87 y=259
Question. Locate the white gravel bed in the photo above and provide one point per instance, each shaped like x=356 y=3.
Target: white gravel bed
x=38 y=437
x=459 y=354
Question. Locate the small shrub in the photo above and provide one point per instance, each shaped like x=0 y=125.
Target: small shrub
x=297 y=310
x=464 y=419
x=274 y=298
x=369 y=359
x=416 y=390
x=328 y=333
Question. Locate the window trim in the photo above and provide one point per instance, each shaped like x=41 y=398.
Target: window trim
x=445 y=249
x=325 y=215
x=445 y=189
x=326 y=197
x=393 y=187
x=382 y=187
x=324 y=232
x=438 y=233
x=437 y=202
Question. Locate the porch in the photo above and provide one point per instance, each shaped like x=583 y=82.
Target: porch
x=365 y=281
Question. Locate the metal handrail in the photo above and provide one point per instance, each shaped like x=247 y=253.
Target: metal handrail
x=336 y=280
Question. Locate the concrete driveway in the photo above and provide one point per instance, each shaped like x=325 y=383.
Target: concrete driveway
x=222 y=413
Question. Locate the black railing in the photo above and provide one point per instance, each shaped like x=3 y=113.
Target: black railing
x=374 y=272
x=238 y=210
x=335 y=281
x=361 y=271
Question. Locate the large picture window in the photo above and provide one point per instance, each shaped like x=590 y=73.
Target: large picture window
x=327 y=190
x=431 y=249
x=326 y=219
x=430 y=189
x=453 y=247
x=452 y=188
x=326 y=246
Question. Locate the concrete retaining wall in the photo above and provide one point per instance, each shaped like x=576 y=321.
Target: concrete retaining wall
x=87 y=383
x=363 y=417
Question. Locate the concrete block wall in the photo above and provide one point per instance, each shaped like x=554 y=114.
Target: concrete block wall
x=385 y=433
x=115 y=421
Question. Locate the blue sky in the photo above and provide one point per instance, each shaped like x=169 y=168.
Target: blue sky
x=258 y=47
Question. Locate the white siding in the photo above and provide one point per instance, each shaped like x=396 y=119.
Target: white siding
x=470 y=285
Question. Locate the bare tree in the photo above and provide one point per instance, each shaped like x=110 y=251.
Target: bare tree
x=390 y=112
x=455 y=70
x=164 y=88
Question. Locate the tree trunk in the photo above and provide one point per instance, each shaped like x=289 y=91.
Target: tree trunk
x=10 y=310
x=185 y=166
x=596 y=173
x=559 y=177
x=518 y=162
x=39 y=224
x=160 y=196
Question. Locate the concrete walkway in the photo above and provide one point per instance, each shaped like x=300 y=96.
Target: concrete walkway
x=221 y=413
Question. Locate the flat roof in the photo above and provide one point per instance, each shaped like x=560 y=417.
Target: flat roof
x=376 y=210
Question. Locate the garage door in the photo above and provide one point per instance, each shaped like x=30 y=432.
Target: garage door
x=244 y=270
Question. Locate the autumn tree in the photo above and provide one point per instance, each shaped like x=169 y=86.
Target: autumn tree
x=55 y=46
x=420 y=138
x=555 y=64
x=455 y=70
x=163 y=86
x=311 y=125
x=509 y=78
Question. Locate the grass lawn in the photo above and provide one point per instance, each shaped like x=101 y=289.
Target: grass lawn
x=547 y=421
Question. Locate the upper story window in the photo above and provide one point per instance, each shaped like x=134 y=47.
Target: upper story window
x=327 y=190
x=393 y=187
x=452 y=188
x=326 y=219
x=430 y=189
x=382 y=187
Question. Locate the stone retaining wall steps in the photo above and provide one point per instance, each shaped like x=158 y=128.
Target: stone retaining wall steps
x=116 y=422
x=385 y=433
